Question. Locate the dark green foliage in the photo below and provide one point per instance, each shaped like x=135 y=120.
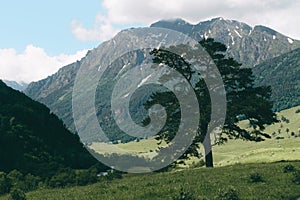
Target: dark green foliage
x=243 y=98
x=184 y=195
x=293 y=133
x=229 y=194
x=33 y=140
x=70 y=177
x=289 y=168
x=255 y=178
x=114 y=174
x=5 y=184
x=297 y=111
x=296 y=177
x=26 y=183
x=284 y=119
x=17 y=194
x=16 y=179
x=66 y=177
x=31 y=182
x=85 y=177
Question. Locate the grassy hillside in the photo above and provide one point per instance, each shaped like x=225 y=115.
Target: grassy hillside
x=200 y=183
x=235 y=151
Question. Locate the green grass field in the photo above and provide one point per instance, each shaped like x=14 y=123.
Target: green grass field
x=202 y=183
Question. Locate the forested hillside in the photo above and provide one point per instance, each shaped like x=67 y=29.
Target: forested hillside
x=283 y=75
x=33 y=140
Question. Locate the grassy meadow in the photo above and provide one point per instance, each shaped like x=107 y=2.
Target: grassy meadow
x=200 y=183
x=282 y=146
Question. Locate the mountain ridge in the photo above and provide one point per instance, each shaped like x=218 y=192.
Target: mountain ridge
x=17 y=85
x=248 y=46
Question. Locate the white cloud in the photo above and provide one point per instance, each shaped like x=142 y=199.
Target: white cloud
x=33 y=64
x=101 y=31
x=280 y=15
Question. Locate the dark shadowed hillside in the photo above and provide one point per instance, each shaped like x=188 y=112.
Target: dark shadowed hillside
x=33 y=140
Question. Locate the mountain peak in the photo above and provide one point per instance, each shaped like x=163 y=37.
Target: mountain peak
x=246 y=44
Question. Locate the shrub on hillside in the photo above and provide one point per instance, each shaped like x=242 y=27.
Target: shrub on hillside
x=229 y=194
x=26 y=183
x=85 y=177
x=17 y=194
x=114 y=174
x=184 y=195
x=255 y=178
x=4 y=183
x=288 y=168
x=66 y=177
x=296 y=177
x=16 y=179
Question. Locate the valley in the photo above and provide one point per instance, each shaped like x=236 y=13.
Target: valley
x=259 y=153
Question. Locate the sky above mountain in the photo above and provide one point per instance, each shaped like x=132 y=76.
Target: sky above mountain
x=39 y=37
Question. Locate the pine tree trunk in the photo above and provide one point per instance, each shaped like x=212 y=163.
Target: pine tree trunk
x=209 y=160
x=208 y=153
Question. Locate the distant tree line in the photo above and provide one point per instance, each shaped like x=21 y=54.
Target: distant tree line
x=17 y=183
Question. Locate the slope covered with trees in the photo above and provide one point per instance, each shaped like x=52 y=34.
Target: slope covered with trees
x=33 y=140
x=283 y=75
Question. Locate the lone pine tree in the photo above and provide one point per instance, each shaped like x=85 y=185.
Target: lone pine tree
x=243 y=99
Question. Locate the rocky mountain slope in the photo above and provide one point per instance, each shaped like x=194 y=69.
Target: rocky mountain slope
x=248 y=45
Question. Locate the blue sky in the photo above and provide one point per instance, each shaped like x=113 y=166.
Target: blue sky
x=45 y=24
x=39 y=37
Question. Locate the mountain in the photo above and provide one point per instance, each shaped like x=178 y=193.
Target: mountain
x=56 y=93
x=248 y=45
x=33 y=140
x=283 y=75
x=21 y=86
x=56 y=90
